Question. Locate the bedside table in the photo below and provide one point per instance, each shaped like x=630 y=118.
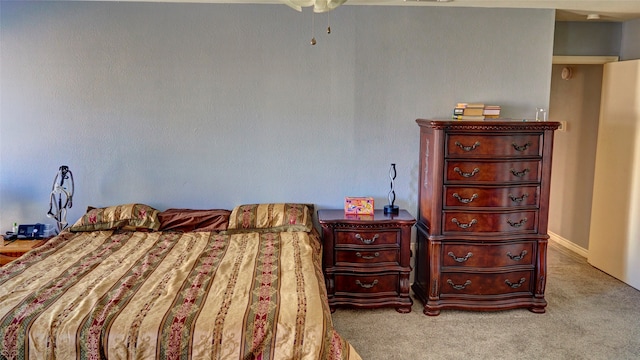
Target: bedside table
x=366 y=259
x=11 y=250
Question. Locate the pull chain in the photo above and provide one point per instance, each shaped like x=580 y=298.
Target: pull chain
x=313 y=31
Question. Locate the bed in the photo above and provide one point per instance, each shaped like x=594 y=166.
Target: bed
x=131 y=282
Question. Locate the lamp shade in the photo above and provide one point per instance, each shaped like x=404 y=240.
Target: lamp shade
x=319 y=6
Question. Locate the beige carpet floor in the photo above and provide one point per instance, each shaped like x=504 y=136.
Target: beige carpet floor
x=590 y=315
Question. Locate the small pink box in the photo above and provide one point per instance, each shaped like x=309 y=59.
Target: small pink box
x=358 y=205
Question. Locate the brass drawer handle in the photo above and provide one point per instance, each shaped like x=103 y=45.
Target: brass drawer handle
x=367 y=241
x=367 y=286
x=462 y=225
x=459 y=287
x=468 y=148
x=521 y=148
x=465 y=200
x=517 y=257
x=516 y=285
x=517 y=224
x=368 y=257
x=520 y=173
x=518 y=199
x=460 y=259
x=466 y=174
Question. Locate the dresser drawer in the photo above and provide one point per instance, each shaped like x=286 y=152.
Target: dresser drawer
x=490 y=222
x=367 y=237
x=492 y=171
x=379 y=284
x=488 y=255
x=486 y=284
x=508 y=145
x=491 y=197
x=364 y=256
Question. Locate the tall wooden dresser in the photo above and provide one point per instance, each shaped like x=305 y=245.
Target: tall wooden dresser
x=482 y=215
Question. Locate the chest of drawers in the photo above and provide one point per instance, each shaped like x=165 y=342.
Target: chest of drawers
x=483 y=209
x=366 y=259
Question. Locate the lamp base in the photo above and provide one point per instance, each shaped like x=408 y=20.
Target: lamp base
x=391 y=209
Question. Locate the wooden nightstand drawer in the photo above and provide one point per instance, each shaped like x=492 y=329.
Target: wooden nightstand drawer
x=375 y=257
x=486 y=284
x=488 y=255
x=381 y=284
x=520 y=145
x=367 y=237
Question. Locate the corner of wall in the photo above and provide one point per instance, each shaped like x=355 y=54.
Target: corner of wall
x=568 y=244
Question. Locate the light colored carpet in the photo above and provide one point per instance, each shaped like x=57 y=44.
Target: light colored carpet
x=590 y=315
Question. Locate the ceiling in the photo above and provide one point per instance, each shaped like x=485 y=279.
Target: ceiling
x=567 y=10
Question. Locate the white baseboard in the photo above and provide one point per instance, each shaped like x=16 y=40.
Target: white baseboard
x=568 y=244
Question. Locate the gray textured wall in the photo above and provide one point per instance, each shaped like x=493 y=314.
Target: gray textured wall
x=581 y=38
x=630 y=47
x=214 y=105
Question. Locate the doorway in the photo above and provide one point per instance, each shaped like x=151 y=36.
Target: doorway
x=576 y=85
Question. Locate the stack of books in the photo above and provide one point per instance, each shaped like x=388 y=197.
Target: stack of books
x=491 y=111
x=475 y=111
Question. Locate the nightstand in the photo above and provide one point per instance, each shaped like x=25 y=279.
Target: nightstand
x=366 y=259
x=11 y=250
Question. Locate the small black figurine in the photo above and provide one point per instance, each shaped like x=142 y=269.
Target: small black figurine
x=391 y=208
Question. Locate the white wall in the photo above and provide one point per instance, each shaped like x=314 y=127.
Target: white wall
x=615 y=230
x=214 y=105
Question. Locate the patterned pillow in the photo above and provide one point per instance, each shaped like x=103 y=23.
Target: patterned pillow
x=271 y=217
x=126 y=217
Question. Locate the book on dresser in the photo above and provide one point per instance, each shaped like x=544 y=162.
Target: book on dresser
x=475 y=112
x=481 y=239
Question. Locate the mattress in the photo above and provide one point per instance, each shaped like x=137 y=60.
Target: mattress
x=120 y=294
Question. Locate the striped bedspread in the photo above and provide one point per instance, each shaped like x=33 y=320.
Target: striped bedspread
x=169 y=295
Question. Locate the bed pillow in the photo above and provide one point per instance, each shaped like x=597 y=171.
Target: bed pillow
x=271 y=217
x=193 y=220
x=134 y=217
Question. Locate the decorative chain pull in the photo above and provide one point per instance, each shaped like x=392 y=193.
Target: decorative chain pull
x=462 y=225
x=517 y=224
x=465 y=200
x=521 y=148
x=516 y=285
x=518 y=199
x=468 y=148
x=517 y=257
x=466 y=174
x=460 y=259
x=368 y=257
x=367 y=286
x=459 y=287
x=367 y=241
x=520 y=173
